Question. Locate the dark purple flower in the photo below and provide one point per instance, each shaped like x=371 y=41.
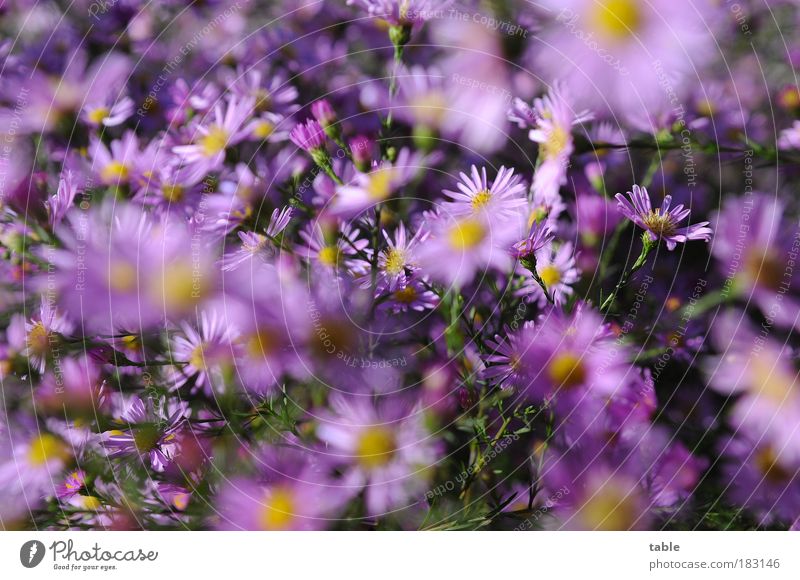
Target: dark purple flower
x=661 y=223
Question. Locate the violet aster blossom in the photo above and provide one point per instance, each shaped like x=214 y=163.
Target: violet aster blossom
x=557 y=270
x=661 y=223
x=384 y=448
x=461 y=247
x=208 y=352
x=212 y=137
x=290 y=491
x=555 y=118
x=147 y=429
x=504 y=197
x=539 y=237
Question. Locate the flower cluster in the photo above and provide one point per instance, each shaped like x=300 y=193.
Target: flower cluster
x=296 y=265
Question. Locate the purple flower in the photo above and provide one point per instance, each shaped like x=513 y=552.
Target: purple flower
x=208 y=353
x=556 y=268
x=504 y=197
x=108 y=114
x=59 y=204
x=555 y=117
x=117 y=165
x=291 y=491
x=661 y=223
x=539 y=237
x=384 y=448
x=308 y=136
x=459 y=248
x=148 y=429
x=212 y=137
x=324 y=114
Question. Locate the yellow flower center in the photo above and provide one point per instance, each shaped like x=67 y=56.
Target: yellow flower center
x=279 y=510
x=99 y=115
x=764 y=268
x=261 y=344
x=375 y=448
x=329 y=256
x=179 y=286
x=466 y=234
x=767 y=461
x=47 y=447
x=406 y=295
x=770 y=381
x=481 y=199
x=550 y=275
x=430 y=109
x=146 y=437
x=660 y=224
x=172 y=193
x=115 y=172
x=122 y=277
x=557 y=141
x=380 y=184
x=395 y=261
x=263 y=99
x=608 y=509
x=263 y=129
x=38 y=339
x=90 y=503
x=566 y=370
x=197 y=358
x=617 y=20
x=215 y=141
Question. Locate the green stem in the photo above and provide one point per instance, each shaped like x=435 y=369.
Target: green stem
x=647 y=246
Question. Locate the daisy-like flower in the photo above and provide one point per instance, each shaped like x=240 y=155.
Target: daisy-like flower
x=73 y=492
x=115 y=166
x=396 y=263
x=267 y=127
x=169 y=185
x=208 y=352
x=255 y=245
x=661 y=223
x=41 y=334
x=335 y=249
x=460 y=247
x=555 y=117
x=269 y=91
x=148 y=430
x=289 y=492
x=411 y=296
x=377 y=185
x=503 y=197
x=539 y=236
x=227 y=128
x=557 y=270
x=60 y=203
x=506 y=364
x=31 y=460
x=383 y=447
x=108 y=114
